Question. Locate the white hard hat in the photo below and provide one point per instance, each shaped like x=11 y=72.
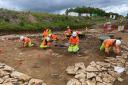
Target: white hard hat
x=21 y=37
x=74 y=34
x=48 y=38
x=118 y=42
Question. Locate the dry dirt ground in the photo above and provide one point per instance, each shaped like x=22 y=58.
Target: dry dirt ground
x=50 y=64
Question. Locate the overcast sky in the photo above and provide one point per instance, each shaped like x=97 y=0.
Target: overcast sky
x=58 y=6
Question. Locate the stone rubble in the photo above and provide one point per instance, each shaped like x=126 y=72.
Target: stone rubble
x=98 y=73
x=9 y=76
x=73 y=82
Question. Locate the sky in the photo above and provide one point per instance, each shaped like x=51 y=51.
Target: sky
x=59 y=6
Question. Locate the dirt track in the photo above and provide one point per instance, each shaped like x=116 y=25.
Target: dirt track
x=50 y=64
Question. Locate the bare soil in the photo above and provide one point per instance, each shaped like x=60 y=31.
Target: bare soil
x=50 y=64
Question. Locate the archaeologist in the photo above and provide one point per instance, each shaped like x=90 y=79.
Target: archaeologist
x=111 y=44
x=68 y=32
x=53 y=37
x=46 y=32
x=74 y=42
x=45 y=43
x=26 y=41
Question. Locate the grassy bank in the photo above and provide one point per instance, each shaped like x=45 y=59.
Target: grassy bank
x=25 y=21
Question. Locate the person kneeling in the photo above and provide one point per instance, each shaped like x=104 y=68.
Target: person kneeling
x=26 y=41
x=74 y=41
x=45 y=43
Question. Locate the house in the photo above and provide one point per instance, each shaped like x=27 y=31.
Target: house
x=85 y=15
x=112 y=16
x=73 y=14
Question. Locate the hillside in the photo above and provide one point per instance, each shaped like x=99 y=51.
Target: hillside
x=17 y=21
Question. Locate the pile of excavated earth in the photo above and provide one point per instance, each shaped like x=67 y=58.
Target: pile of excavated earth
x=99 y=73
x=9 y=76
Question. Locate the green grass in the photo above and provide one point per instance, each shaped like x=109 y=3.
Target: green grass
x=43 y=20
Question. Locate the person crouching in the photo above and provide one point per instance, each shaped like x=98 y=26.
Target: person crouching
x=26 y=41
x=45 y=43
x=53 y=37
x=109 y=44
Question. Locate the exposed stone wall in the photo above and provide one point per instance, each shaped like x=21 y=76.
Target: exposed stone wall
x=98 y=73
x=9 y=76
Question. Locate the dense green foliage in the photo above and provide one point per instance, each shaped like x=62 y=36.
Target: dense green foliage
x=17 y=21
x=90 y=10
x=127 y=16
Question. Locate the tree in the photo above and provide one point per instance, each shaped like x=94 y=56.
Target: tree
x=90 y=10
x=66 y=12
x=127 y=15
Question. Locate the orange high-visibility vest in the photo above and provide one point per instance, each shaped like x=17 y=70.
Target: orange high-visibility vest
x=45 y=33
x=46 y=43
x=26 y=40
x=74 y=40
x=108 y=43
x=54 y=37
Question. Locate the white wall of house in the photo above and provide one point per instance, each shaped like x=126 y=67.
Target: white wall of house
x=73 y=14
x=112 y=16
x=85 y=15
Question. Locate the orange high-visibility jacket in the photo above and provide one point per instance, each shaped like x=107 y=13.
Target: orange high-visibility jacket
x=45 y=43
x=45 y=33
x=74 y=40
x=26 y=40
x=54 y=37
x=108 y=43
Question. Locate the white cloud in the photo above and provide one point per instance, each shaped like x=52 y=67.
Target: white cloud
x=121 y=9
x=54 y=6
x=8 y=5
x=4 y=4
x=61 y=12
